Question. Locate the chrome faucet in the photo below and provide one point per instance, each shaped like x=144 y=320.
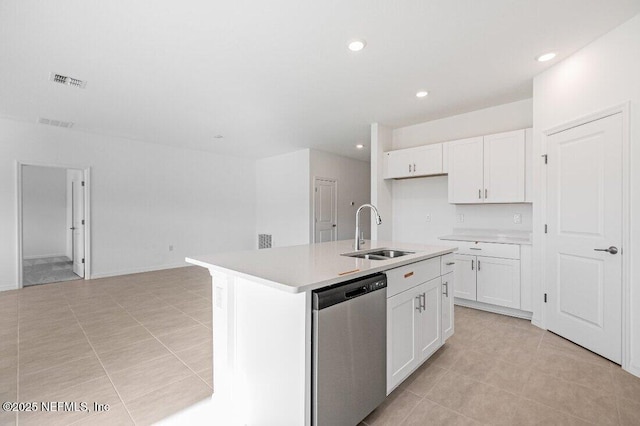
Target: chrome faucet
x=378 y=222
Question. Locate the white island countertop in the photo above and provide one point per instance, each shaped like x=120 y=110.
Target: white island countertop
x=303 y=268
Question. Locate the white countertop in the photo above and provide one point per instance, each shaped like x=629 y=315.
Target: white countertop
x=303 y=268
x=490 y=236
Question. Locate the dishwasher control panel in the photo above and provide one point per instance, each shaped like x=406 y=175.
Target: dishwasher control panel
x=377 y=285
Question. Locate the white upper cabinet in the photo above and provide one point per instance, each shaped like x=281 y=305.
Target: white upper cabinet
x=489 y=169
x=504 y=168
x=466 y=171
x=413 y=162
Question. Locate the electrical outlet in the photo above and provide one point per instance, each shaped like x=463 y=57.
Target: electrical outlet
x=428 y=217
x=459 y=218
x=517 y=218
x=171 y=248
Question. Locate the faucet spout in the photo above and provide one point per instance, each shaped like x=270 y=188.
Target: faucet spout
x=378 y=222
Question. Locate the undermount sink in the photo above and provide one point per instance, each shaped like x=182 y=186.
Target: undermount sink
x=382 y=254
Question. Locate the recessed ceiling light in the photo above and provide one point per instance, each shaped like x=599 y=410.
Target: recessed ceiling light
x=359 y=146
x=357 y=45
x=546 y=57
x=422 y=94
x=218 y=137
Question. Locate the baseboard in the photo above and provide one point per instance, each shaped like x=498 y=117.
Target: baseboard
x=44 y=256
x=138 y=270
x=8 y=287
x=494 y=308
x=634 y=369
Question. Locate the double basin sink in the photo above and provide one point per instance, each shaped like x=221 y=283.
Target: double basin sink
x=379 y=254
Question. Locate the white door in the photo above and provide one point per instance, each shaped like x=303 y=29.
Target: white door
x=504 y=167
x=325 y=210
x=402 y=322
x=584 y=217
x=466 y=171
x=430 y=326
x=77 y=221
x=465 y=276
x=447 y=306
x=498 y=281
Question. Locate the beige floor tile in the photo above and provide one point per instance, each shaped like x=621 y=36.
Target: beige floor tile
x=423 y=379
x=629 y=409
x=571 y=349
x=89 y=310
x=133 y=355
x=8 y=418
x=34 y=359
x=626 y=384
x=507 y=376
x=203 y=316
x=476 y=365
x=490 y=405
x=394 y=409
x=37 y=319
x=197 y=304
x=574 y=399
x=109 y=324
x=428 y=413
x=9 y=356
x=99 y=391
x=187 y=338
x=116 y=416
x=38 y=330
x=153 y=313
x=142 y=379
x=198 y=358
x=207 y=376
x=8 y=384
x=453 y=390
x=531 y=413
x=168 y=400
x=446 y=356
x=32 y=387
x=119 y=339
x=169 y=324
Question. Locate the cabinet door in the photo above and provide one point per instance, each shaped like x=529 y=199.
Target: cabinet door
x=402 y=331
x=504 y=167
x=499 y=281
x=465 y=276
x=427 y=160
x=430 y=326
x=528 y=165
x=447 y=306
x=398 y=164
x=466 y=171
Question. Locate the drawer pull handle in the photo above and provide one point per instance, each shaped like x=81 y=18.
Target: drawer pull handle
x=474 y=248
x=408 y=274
x=450 y=263
x=446 y=289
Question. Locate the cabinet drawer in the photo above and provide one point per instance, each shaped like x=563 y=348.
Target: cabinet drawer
x=447 y=263
x=405 y=277
x=507 y=251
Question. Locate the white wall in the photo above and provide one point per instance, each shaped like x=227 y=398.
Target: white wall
x=44 y=204
x=282 y=194
x=144 y=197
x=414 y=199
x=381 y=190
x=353 y=187
x=604 y=74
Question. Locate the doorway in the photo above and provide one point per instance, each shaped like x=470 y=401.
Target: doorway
x=52 y=224
x=325 y=210
x=585 y=221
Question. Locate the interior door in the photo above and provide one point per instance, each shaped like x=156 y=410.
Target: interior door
x=465 y=276
x=77 y=221
x=498 y=281
x=584 y=218
x=325 y=210
x=466 y=171
x=504 y=167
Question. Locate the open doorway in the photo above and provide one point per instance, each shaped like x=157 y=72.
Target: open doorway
x=52 y=224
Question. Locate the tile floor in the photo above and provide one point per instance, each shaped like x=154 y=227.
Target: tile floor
x=142 y=343
x=504 y=371
x=47 y=270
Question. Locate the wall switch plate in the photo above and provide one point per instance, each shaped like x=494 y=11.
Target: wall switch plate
x=517 y=218
x=459 y=218
x=428 y=217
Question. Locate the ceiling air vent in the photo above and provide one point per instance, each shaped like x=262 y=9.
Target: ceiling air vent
x=56 y=123
x=69 y=81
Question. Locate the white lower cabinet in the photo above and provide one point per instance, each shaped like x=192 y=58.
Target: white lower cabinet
x=447 y=306
x=417 y=319
x=489 y=279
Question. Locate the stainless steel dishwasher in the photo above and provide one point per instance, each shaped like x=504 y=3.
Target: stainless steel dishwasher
x=349 y=351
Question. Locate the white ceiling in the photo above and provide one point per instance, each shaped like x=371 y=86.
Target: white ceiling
x=273 y=76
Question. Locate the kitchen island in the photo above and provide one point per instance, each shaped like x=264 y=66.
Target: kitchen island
x=262 y=323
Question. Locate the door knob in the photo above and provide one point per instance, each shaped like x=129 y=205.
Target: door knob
x=611 y=250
